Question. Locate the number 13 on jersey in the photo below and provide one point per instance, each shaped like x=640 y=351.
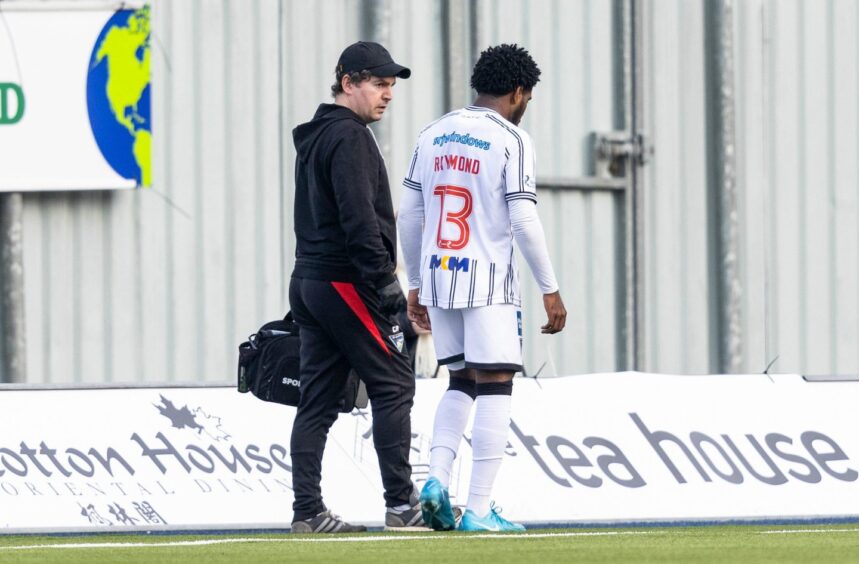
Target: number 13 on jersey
x=453 y=196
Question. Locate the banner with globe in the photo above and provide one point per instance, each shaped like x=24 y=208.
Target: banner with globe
x=77 y=118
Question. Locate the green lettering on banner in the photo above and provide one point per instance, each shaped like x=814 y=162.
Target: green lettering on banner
x=5 y=103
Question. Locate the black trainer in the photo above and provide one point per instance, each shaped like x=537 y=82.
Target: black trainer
x=326 y=522
x=410 y=519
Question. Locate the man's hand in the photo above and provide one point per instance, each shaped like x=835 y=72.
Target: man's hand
x=417 y=312
x=391 y=298
x=556 y=313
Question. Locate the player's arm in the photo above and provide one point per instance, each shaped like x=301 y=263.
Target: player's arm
x=529 y=237
x=521 y=195
x=410 y=220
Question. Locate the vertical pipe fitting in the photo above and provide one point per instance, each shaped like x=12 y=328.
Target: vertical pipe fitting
x=723 y=199
x=14 y=368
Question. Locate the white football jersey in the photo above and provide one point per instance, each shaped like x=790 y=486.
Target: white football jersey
x=468 y=165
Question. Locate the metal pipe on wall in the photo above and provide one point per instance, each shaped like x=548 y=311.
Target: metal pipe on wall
x=725 y=303
x=14 y=367
x=637 y=198
x=628 y=118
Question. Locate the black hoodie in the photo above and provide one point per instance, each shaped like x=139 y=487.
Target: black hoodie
x=344 y=218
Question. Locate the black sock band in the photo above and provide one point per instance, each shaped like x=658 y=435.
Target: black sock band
x=495 y=388
x=463 y=385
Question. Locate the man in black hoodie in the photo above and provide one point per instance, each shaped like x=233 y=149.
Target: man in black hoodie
x=343 y=291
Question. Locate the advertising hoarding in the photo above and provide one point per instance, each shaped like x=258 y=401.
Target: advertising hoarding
x=622 y=448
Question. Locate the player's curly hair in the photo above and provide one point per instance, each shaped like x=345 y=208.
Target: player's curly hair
x=502 y=68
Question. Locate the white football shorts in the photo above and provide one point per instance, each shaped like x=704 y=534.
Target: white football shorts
x=485 y=338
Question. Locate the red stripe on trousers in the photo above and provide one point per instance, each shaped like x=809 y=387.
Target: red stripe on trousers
x=356 y=304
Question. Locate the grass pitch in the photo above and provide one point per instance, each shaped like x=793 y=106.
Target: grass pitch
x=736 y=544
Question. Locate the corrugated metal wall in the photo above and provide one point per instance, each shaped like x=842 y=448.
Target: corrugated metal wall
x=678 y=337
x=161 y=284
x=798 y=158
x=797 y=75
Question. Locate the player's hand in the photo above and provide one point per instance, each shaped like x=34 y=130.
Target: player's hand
x=556 y=312
x=417 y=312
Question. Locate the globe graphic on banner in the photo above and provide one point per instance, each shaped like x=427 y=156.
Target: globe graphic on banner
x=118 y=94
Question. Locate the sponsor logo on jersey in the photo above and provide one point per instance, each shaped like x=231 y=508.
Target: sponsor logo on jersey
x=456 y=162
x=466 y=139
x=449 y=263
x=287 y=381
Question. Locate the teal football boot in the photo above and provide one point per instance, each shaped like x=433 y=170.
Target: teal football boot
x=493 y=522
x=435 y=506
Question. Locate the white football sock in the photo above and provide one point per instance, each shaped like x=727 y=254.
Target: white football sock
x=451 y=417
x=488 y=441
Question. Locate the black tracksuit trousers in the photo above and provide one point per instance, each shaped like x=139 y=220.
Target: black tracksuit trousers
x=342 y=328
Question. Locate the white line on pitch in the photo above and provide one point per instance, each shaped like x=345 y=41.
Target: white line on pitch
x=369 y=538
x=802 y=531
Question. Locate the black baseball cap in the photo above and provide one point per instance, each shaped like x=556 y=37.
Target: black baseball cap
x=369 y=56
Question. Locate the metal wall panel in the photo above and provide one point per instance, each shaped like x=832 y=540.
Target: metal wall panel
x=798 y=77
x=797 y=71
x=753 y=84
x=677 y=330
